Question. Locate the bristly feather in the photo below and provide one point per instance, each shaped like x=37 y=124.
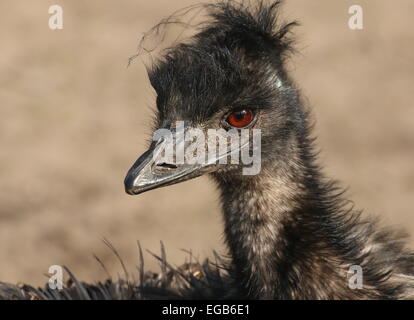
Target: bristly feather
x=252 y=26
x=192 y=280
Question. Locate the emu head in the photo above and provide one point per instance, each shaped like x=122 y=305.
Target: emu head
x=229 y=78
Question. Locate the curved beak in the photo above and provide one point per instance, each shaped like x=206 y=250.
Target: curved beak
x=170 y=160
x=152 y=171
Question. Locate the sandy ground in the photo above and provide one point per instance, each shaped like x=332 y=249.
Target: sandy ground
x=73 y=118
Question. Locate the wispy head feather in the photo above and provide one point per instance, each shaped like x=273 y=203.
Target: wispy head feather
x=253 y=26
x=234 y=56
x=232 y=24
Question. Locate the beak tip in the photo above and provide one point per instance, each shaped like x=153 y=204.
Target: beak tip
x=129 y=185
x=130 y=192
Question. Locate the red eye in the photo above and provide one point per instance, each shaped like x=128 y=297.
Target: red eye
x=240 y=118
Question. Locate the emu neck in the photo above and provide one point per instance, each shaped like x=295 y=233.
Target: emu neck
x=268 y=228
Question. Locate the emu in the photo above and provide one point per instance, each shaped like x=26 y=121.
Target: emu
x=289 y=230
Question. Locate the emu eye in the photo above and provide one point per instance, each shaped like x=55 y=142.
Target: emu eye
x=240 y=118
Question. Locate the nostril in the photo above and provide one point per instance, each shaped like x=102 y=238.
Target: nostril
x=167 y=165
x=163 y=168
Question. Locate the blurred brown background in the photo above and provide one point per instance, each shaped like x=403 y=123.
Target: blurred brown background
x=73 y=119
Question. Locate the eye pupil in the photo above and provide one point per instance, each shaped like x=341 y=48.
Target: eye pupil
x=240 y=115
x=240 y=118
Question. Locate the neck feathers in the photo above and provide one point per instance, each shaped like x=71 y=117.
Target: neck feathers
x=257 y=212
x=291 y=237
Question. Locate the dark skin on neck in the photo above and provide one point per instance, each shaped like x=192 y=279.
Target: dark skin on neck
x=289 y=232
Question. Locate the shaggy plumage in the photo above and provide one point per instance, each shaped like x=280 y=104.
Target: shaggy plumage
x=290 y=233
x=192 y=280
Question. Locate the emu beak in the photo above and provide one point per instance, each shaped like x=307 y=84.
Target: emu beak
x=151 y=171
x=156 y=169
